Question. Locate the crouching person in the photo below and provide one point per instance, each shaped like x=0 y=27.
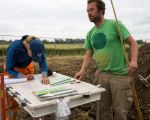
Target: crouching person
x=19 y=64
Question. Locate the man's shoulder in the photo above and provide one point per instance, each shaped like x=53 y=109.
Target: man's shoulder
x=16 y=44
x=91 y=30
x=112 y=21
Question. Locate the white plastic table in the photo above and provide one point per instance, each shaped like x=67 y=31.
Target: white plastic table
x=37 y=108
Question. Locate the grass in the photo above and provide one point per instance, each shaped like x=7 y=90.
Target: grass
x=55 y=46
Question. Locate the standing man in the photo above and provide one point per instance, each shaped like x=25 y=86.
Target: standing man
x=19 y=59
x=113 y=73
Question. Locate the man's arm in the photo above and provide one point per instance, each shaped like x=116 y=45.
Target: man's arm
x=134 y=55
x=10 y=62
x=43 y=65
x=86 y=62
x=44 y=69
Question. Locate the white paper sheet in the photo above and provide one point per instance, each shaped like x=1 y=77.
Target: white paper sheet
x=14 y=80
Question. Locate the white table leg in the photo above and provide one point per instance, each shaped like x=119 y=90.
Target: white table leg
x=97 y=110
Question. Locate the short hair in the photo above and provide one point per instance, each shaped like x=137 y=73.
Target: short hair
x=99 y=3
x=28 y=38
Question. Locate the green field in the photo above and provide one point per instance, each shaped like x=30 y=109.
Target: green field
x=63 y=46
x=58 y=49
x=55 y=49
x=56 y=46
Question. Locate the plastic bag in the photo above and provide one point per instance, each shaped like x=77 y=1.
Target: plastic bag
x=62 y=110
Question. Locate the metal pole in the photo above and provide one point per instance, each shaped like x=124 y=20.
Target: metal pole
x=3 y=116
x=97 y=110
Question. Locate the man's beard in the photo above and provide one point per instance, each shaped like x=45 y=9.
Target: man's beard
x=94 y=19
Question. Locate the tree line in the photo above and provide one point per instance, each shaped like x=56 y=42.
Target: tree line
x=55 y=41
x=63 y=41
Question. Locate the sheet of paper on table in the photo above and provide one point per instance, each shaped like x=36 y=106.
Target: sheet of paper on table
x=14 y=80
x=17 y=80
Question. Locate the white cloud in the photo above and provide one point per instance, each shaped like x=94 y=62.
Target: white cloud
x=68 y=18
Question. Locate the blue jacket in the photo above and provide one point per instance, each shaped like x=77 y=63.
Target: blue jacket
x=17 y=56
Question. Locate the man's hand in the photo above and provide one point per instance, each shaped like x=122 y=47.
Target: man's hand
x=132 y=67
x=86 y=62
x=29 y=77
x=134 y=55
x=45 y=80
x=79 y=75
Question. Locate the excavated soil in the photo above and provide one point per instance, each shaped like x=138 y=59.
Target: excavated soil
x=71 y=64
x=143 y=92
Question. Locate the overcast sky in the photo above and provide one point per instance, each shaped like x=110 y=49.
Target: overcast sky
x=68 y=18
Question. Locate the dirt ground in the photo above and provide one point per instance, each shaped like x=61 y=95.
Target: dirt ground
x=69 y=65
x=143 y=92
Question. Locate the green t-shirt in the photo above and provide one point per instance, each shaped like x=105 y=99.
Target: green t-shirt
x=106 y=46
